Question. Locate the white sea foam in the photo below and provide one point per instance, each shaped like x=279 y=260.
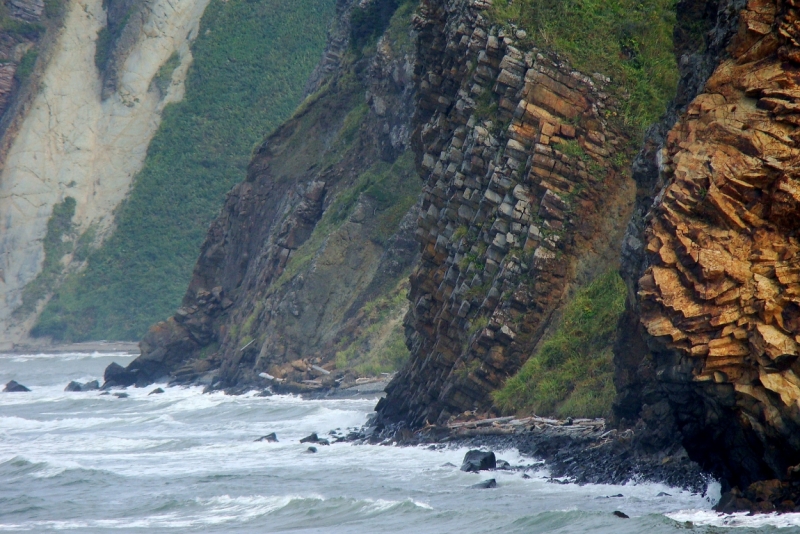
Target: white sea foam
x=741 y=520
x=64 y=356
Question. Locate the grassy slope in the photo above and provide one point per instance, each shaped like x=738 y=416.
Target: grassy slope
x=571 y=374
x=628 y=40
x=251 y=61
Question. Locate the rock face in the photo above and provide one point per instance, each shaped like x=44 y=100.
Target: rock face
x=715 y=263
x=322 y=226
x=70 y=142
x=522 y=201
x=15 y=387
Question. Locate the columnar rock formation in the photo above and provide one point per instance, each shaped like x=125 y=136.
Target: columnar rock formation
x=719 y=289
x=526 y=195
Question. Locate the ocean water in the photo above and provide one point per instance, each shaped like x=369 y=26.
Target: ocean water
x=187 y=462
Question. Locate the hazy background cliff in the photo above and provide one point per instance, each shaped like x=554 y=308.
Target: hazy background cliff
x=91 y=209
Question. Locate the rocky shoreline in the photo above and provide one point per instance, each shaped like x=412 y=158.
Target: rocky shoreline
x=581 y=451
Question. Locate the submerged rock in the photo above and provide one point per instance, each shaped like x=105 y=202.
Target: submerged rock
x=77 y=386
x=486 y=484
x=15 y=387
x=621 y=514
x=156 y=391
x=121 y=395
x=476 y=460
x=311 y=450
x=503 y=465
x=270 y=438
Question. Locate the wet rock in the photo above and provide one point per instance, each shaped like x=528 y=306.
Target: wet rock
x=448 y=464
x=92 y=385
x=663 y=494
x=116 y=375
x=475 y=461
x=121 y=395
x=503 y=465
x=486 y=484
x=74 y=386
x=15 y=387
x=269 y=438
x=311 y=450
x=156 y=391
x=526 y=476
x=312 y=438
x=621 y=514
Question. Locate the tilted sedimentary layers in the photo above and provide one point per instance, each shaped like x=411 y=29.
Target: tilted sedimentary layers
x=319 y=234
x=74 y=143
x=719 y=295
x=526 y=196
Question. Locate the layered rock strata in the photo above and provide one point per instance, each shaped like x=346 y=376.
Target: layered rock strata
x=322 y=226
x=526 y=196
x=716 y=356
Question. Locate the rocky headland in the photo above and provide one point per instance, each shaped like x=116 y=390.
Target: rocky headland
x=531 y=187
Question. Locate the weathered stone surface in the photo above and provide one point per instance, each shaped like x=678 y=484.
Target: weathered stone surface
x=718 y=282
x=531 y=220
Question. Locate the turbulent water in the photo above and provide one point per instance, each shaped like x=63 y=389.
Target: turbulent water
x=187 y=462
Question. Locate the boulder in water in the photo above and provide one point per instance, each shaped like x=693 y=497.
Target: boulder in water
x=74 y=386
x=621 y=514
x=14 y=387
x=116 y=375
x=121 y=395
x=503 y=465
x=91 y=386
x=311 y=450
x=269 y=438
x=156 y=391
x=313 y=438
x=486 y=484
x=476 y=460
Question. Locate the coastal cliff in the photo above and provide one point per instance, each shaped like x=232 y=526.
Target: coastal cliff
x=304 y=271
x=713 y=262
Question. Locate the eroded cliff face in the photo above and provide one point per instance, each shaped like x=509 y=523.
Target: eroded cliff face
x=74 y=142
x=526 y=197
x=319 y=234
x=715 y=263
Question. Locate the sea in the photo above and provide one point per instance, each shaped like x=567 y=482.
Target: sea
x=184 y=461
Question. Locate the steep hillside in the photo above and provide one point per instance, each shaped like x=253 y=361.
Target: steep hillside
x=68 y=146
x=305 y=266
x=250 y=64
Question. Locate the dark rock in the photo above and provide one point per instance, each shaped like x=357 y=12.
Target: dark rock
x=663 y=494
x=486 y=484
x=503 y=465
x=621 y=515
x=105 y=393
x=313 y=438
x=311 y=450
x=476 y=460
x=118 y=375
x=615 y=496
x=448 y=464
x=91 y=386
x=74 y=386
x=156 y=391
x=15 y=387
x=270 y=438
x=526 y=476
x=323 y=442
x=121 y=395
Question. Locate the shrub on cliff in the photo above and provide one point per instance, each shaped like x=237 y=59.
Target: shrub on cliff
x=571 y=374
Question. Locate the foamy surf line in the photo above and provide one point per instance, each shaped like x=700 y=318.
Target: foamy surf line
x=67 y=356
x=226 y=509
x=739 y=520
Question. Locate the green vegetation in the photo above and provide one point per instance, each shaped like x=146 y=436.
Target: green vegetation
x=26 y=64
x=395 y=187
x=628 y=40
x=251 y=61
x=56 y=244
x=367 y=23
x=108 y=36
x=379 y=347
x=163 y=77
x=571 y=375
